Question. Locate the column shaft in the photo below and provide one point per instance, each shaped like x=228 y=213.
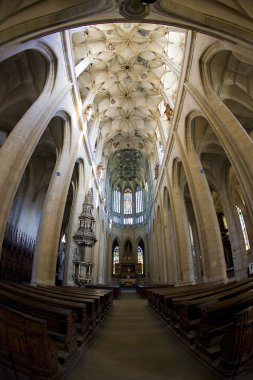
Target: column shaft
x=208 y=228
x=51 y=220
x=19 y=146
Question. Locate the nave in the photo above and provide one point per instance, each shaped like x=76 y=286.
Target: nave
x=133 y=343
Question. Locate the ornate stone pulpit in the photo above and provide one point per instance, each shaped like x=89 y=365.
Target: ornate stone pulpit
x=84 y=238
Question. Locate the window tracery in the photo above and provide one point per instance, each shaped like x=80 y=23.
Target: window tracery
x=115 y=259
x=116 y=200
x=244 y=229
x=128 y=203
x=139 y=200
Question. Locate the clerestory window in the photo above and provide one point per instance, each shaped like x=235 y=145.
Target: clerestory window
x=244 y=229
x=139 y=200
x=128 y=203
x=116 y=200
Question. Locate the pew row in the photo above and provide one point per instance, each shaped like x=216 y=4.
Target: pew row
x=206 y=317
x=72 y=315
x=25 y=342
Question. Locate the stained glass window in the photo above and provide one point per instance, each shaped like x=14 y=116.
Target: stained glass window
x=116 y=200
x=115 y=259
x=128 y=206
x=128 y=220
x=139 y=219
x=244 y=229
x=139 y=200
x=140 y=259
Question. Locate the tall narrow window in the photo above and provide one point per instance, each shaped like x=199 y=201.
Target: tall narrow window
x=244 y=229
x=128 y=220
x=140 y=259
x=116 y=200
x=139 y=200
x=115 y=263
x=128 y=206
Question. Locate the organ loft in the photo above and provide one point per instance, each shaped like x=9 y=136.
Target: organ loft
x=126 y=180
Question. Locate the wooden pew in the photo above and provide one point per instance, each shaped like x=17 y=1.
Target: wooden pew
x=186 y=310
x=102 y=298
x=162 y=298
x=216 y=318
x=25 y=343
x=85 y=313
x=60 y=322
x=237 y=345
x=144 y=290
x=157 y=296
x=215 y=321
x=105 y=295
x=116 y=290
x=67 y=294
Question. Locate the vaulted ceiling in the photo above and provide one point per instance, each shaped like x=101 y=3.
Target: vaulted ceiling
x=127 y=168
x=133 y=73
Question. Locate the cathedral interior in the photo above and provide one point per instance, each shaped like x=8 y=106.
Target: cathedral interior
x=126 y=155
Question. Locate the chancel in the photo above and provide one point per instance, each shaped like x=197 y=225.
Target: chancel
x=126 y=180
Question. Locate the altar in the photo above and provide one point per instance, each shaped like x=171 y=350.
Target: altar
x=128 y=281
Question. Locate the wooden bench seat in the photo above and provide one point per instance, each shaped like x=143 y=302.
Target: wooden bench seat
x=162 y=300
x=216 y=321
x=215 y=317
x=26 y=344
x=62 y=293
x=144 y=290
x=236 y=347
x=60 y=322
x=85 y=313
x=186 y=310
x=158 y=296
x=105 y=295
x=116 y=289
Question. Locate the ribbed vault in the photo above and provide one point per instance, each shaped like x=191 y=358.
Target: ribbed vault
x=128 y=74
x=127 y=167
x=133 y=73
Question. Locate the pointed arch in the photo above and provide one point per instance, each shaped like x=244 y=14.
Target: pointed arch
x=140 y=257
x=115 y=257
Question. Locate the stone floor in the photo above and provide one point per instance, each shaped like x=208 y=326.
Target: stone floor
x=134 y=344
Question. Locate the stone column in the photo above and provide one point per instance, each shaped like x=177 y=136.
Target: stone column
x=159 y=254
x=73 y=225
x=146 y=259
x=169 y=240
x=183 y=244
x=102 y=269
x=233 y=138
x=235 y=235
x=153 y=248
x=214 y=268
x=51 y=220
x=19 y=146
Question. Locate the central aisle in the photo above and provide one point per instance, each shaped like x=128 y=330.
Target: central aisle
x=132 y=343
